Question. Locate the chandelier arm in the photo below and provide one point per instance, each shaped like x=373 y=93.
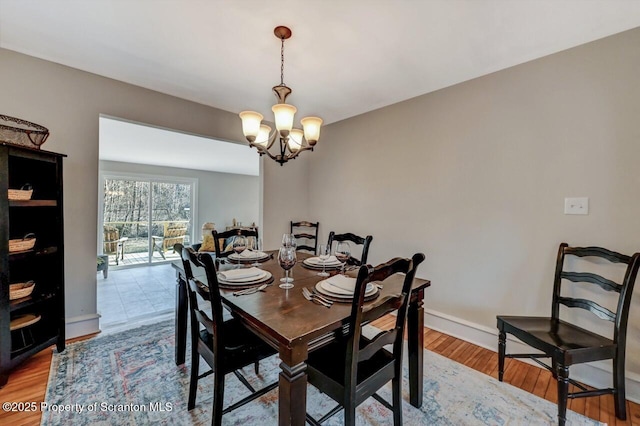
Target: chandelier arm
x=272 y=138
x=262 y=150
x=304 y=148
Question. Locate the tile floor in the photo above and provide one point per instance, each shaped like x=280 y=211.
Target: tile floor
x=130 y=295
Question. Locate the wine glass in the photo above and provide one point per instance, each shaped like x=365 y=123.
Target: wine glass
x=257 y=247
x=343 y=252
x=289 y=240
x=324 y=254
x=239 y=245
x=287 y=259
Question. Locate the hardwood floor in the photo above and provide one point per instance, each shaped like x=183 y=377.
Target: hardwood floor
x=28 y=382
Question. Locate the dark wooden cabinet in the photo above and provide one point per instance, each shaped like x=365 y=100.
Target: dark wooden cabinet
x=42 y=215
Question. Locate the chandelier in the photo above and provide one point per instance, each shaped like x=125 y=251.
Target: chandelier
x=292 y=141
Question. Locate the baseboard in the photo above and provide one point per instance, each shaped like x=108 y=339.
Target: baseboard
x=597 y=374
x=82 y=325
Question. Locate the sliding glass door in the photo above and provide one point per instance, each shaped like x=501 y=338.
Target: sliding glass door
x=142 y=218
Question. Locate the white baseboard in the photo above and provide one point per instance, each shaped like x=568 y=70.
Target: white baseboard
x=597 y=374
x=82 y=325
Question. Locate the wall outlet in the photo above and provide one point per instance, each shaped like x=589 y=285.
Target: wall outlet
x=578 y=205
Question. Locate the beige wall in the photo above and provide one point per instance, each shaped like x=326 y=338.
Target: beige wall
x=68 y=102
x=475 y=177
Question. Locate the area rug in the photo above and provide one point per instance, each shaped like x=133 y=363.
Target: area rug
x=130 y=378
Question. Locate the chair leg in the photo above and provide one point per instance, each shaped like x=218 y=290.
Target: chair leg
x=502 y=347
x=619 y=386
x=193 y=381
x=350 y=415
x=563 y=392
x=218 y=399
x=256 y=367
x=396 y=384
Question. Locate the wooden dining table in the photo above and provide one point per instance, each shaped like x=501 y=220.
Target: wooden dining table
x=295 y=326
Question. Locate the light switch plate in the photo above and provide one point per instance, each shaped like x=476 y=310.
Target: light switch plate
x=579 y=205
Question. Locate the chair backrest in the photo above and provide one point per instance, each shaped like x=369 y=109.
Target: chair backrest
x=308 y=231
x=624 y=290
x=208 y=291
x=396 y=302
x=365 y=242
x=220 y=239
x=174 y=233
x=111 y=236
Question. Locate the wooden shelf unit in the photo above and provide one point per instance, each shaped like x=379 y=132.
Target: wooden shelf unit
x=44 y=264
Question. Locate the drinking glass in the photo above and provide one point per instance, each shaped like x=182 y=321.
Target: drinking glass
x=239 y=245
x=257 y=247
x=287 y=259
x=324 y=254
x=289 y=240
x=343 y=252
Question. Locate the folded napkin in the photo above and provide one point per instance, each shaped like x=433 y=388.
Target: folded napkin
x=342 y=282
x=238 y=274
x=250 y=254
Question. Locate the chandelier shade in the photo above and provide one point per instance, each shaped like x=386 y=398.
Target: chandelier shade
x=292 y=141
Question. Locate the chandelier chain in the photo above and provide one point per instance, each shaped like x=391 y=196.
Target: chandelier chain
x=282 y=63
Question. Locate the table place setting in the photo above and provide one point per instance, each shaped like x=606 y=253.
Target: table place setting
x=249 y=256
x=317 y=263
x=340 y=288
x=243 y=278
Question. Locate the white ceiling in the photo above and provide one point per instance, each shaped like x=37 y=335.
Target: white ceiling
x=345 y=57
x=135 y=143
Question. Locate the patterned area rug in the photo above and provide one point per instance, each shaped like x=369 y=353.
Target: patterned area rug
x=130 y=378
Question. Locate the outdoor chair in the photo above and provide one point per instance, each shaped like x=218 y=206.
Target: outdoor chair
x=567 y=344
x=174 y=233
x=113 y=243
x=353 y=367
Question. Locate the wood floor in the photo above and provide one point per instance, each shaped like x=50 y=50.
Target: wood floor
x=28 y=382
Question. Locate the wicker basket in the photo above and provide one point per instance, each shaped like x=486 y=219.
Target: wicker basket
x=20 y=290
x=21 y=194
x=26 y=243
x=21 y=132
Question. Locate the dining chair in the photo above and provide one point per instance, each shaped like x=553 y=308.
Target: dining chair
x=226 y=346
x=220 y=239
x=353 y=367
x=307 y=231
x=364 y=242
x=566 y=343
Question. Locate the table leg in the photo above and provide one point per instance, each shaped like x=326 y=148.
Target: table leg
x=292 y=388
x=181 y=319
x=415 y=324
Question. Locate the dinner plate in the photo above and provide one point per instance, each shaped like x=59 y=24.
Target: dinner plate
x=316 y=261
x=319 y=266
x=243 y=280
x=344 y=298
x=330 y=288
x=249 y=257
x=227 y=285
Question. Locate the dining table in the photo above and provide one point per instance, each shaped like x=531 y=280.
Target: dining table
x=295 y=326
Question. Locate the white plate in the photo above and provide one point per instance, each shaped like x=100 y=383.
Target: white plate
x=254 y=280
x=236 y=256
x=315 y=261
x=331 y=290
x=258 y=277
